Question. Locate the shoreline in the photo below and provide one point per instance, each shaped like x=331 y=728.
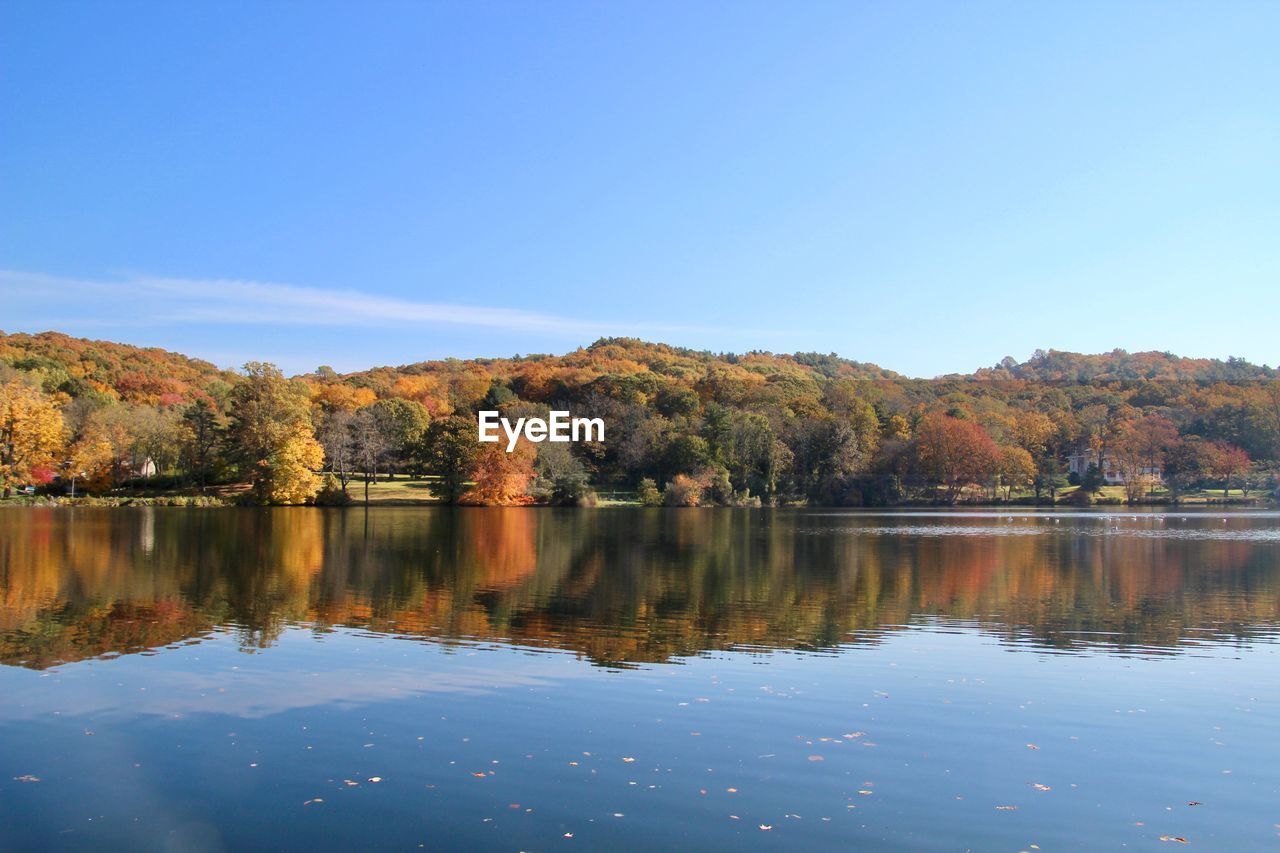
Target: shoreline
x=212 y=502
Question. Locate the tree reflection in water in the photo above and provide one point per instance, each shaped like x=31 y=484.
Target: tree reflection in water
x=626 y=586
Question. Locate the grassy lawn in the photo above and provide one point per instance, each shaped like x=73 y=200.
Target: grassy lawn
x=400 y=491
x=1195 y=496
x=405 y=492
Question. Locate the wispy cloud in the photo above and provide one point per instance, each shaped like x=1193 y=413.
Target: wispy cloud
x=157 y=301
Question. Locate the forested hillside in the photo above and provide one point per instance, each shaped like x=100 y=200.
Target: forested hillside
x=683 y=427
x=77 y=367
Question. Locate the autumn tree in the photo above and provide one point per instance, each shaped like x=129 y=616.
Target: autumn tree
x=31 y=432
x=1101 y=425
x=501 y=477
x=108 y=446
x=92 y=459
x=1139 y=449
x=1227 y=464
x=954 y=453
x=1017 y=469
x=683 y=490
x=160 y=435
x=289 y=476
x=272 y=435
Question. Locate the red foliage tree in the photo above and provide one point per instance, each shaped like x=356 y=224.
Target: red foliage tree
x=955 y=453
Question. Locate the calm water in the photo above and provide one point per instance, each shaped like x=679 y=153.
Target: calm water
x=637 y=679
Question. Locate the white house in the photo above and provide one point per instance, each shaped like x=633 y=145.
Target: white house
x=146 y=467
x=1078 y=463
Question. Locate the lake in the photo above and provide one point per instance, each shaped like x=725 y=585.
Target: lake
x=537 y=679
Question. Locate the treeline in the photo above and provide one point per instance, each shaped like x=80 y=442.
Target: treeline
x=683 y=427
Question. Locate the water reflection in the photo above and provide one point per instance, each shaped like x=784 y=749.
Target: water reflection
x=623 y=587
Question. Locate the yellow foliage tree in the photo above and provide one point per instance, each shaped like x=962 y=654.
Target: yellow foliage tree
x=31 y=431
x=94 y=459
x=273 y=435
x=289 y=472
x=1017 y=469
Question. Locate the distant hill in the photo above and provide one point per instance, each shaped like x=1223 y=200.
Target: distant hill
x=634 y=357
x=79 y=367
x=1119 y=365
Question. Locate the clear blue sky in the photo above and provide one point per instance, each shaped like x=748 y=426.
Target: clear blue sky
x=929 y=186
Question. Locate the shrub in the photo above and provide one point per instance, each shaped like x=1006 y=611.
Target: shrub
x=331 y=493
x=648 y=493
x=682 y=491
x=1081 y=497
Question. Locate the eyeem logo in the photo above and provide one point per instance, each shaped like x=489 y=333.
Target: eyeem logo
x=559 y=427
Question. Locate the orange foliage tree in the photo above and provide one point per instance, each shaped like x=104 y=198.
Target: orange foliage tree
x=1228 y=463
x=502 y=478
